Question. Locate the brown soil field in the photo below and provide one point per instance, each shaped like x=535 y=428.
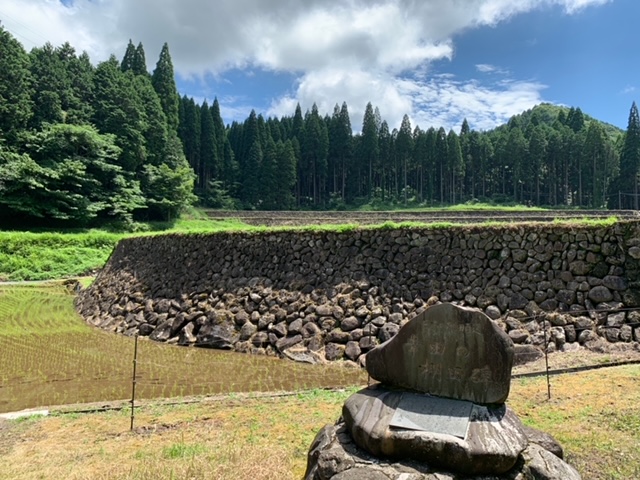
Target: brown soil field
x=301 y=218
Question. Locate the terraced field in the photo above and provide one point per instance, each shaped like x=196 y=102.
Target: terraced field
x=300 y=218
x=49 y=356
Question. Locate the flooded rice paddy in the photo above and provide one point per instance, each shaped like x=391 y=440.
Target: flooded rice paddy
x=49 y=356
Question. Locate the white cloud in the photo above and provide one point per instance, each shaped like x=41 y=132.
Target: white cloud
x=353 y=50
x=446 y=101
x=439 y=101
x=572 y=6
x=278 y=34
x=491 y=12
x=485 y=68
x=492 y=69
x=356 y=87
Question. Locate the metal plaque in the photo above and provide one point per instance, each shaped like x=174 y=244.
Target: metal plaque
x=432 y=414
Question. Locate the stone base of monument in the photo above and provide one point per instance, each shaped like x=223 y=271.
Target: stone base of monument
x=335 y=456
x=476 y=439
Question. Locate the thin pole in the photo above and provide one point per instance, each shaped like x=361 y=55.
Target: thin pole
x=368 y=377
x=133 y=380
x=546 y=356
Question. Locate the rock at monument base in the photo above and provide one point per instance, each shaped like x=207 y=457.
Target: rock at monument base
x=360 y=473
x=544 y=465
x=544 y=440
x=334 y=456
x=448 y=351
x=494 y=440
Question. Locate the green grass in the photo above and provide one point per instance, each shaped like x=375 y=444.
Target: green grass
x=626 y=420
x=183 y=450
x=195 y=221
x=52 y=255
x=468 y=206
x=40 y=256
x=589 y=222
x=592 y=414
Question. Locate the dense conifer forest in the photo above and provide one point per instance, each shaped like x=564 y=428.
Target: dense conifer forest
x=83 y=144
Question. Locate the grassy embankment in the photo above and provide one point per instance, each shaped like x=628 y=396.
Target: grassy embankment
x=51 y=255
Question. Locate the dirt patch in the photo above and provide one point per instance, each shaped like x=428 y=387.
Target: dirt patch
x=7 y=435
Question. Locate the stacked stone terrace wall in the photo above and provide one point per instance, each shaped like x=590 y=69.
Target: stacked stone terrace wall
x=335 y=295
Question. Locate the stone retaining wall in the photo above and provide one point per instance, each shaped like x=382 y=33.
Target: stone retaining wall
x=315 y=295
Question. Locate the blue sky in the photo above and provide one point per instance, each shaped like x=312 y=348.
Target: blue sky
x=437 y=60
x=585 y=60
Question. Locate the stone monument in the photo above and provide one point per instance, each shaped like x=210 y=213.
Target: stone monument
x=438 y=412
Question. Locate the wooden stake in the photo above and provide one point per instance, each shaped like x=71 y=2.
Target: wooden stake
x=133 y=381
x=546 y=356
